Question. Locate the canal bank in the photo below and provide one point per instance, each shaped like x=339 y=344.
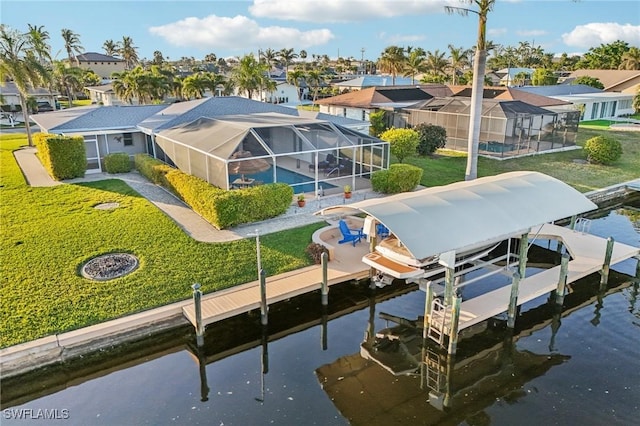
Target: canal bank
x=64 y=347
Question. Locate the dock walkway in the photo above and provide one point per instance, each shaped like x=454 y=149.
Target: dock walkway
x=587 y=252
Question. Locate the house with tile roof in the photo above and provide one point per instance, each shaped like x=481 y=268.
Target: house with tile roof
x=622 y=81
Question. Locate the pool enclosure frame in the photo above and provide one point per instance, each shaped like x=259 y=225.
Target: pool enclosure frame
x=208 y=148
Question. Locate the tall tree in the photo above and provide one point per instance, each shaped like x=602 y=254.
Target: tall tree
x=477 y=91
x=194 y=86
x=315 y=78
x=247 y=75
x=269 y=57
x=110 y=48
x=68 y=79
x=158 y=59
x=286 y=57
x=128 y=52
x=435 y=63
x=20 y=64
x=605 y=56
x=392 y=61
x=38 y=41
x=630 y=59
x=296 y=77
x=458 y=60
x=415 y=64
x=71 y=45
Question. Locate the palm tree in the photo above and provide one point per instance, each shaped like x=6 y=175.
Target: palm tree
x=269 y=56
x=37 y=39
x=20 y=64
x=110 y=47
x=414 y=64
x=458 y=60
x=194 y=86
x=248 y=74
x=631 y=59
x=71 y=45
x=392 y=61
x=479 y=65
x=296 y=77
x=68 y=80
x=128 y=53
x=435 y=63
x=286 y=57
x=315 y=78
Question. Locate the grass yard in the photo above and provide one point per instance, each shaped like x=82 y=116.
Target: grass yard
x=445 y=168
x=49 y=232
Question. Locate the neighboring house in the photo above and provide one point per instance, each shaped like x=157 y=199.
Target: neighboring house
x=592 y=103
x=367 y=81
x=513 y=123
x=103 y=65
x=11 y=97
x=358 y=105
x=103 y=95
x=285 y=93
x=201 y=137
x=508 y=76
x=624 y=81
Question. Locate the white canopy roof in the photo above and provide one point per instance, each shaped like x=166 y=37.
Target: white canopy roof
x=467 y=214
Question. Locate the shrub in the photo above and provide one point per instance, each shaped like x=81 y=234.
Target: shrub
x=315 y=250
x=431 y=137
x=219 y=207
x=402 y=142
x=64 y=157
x=117 y=162
x=603 y=150
x=399 y=178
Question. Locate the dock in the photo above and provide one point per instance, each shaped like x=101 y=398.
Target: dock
x=345 y=264
x=587 y=252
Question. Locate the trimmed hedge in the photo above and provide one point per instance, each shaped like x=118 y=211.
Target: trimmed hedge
x=117 y=162
x=220 y=207
x=603 y=150
x=64 y=157
x=398 y=178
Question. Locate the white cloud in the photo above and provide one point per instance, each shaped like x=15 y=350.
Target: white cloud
x=238 y=33
x=597 y=33
x=400 y=39
x=345 y=10
x=496 y=32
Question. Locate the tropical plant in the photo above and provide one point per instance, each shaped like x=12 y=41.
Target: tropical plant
x=269 y=57
x=71 y=45
x=414 y=64
x=458 y=59
x=520 y=79
x=543 y=77
x=435 y=63
x=248 y=75
x=38 y=41
x=378 y=123
x=403 y=143
x=296 y=77
x=431 y=137
x=67 y=79
x=589 y=81
x=110 y=48
x=286 y=57
x=194 y=86
x=480 y=60
x=392 y=61
x=20 y=64
x=314 y=78
x=630 y=59
x=158 y=59
x=128 y=52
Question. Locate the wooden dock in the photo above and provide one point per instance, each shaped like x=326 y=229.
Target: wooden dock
x=345 y=264
x=587 y=252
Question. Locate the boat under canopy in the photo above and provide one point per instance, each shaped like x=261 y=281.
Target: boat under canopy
x=463 y=217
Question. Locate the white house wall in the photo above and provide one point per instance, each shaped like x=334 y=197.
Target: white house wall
x=361 y=114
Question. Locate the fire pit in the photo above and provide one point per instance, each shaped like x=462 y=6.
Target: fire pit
x=109 y=266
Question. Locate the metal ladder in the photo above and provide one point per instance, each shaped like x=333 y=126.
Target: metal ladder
x=434 y=370
x=437 y=320
x=583 y=225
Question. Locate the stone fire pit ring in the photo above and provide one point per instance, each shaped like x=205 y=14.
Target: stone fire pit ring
x=109 y=266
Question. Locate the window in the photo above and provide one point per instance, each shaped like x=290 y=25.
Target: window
x=128 y=139
x=344 y=112
x=363 y=116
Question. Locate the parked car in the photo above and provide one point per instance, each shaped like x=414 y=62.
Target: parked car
x=44 y=106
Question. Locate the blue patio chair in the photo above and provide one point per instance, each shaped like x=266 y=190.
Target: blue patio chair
x=382 y=231
x=349 y=235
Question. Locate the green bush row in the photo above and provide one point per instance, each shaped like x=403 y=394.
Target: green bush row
x=64 y=157
x=398 y=178
x=220 y=207
x=118 y=162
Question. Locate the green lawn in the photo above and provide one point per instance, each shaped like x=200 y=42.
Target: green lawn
x=49 y=232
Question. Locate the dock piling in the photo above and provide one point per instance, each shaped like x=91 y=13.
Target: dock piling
x=513 y=300
x=604 y=275
x=562 y=280
x=325 y=281
x=453 y=329
x=197 y=301
x=264 y=309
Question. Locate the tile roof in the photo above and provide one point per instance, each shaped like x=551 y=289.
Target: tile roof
x=560 y=89
x=609 y=78
x=509 y=93
x=375 y=80
x=372 y=96
x=109 y=118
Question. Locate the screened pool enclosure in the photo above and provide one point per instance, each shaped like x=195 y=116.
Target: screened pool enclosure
x=245 y=150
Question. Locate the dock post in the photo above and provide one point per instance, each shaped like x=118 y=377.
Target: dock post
x=638 y=268
x=453 y=329
x=197 y=301
x=264 y=309
x=604 y=275
x=562 y=281
x=324 y=258
x=513 y=300
x=428 y=300
x=572 y=224
x=448 y=286
x=522 y=255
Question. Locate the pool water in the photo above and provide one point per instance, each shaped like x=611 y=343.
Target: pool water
x=299 y=182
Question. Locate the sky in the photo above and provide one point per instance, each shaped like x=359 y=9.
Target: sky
x=332 y=27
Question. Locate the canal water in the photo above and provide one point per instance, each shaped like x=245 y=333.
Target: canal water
x=579 y=366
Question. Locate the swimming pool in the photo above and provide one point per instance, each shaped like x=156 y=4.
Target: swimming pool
x=300 y=183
